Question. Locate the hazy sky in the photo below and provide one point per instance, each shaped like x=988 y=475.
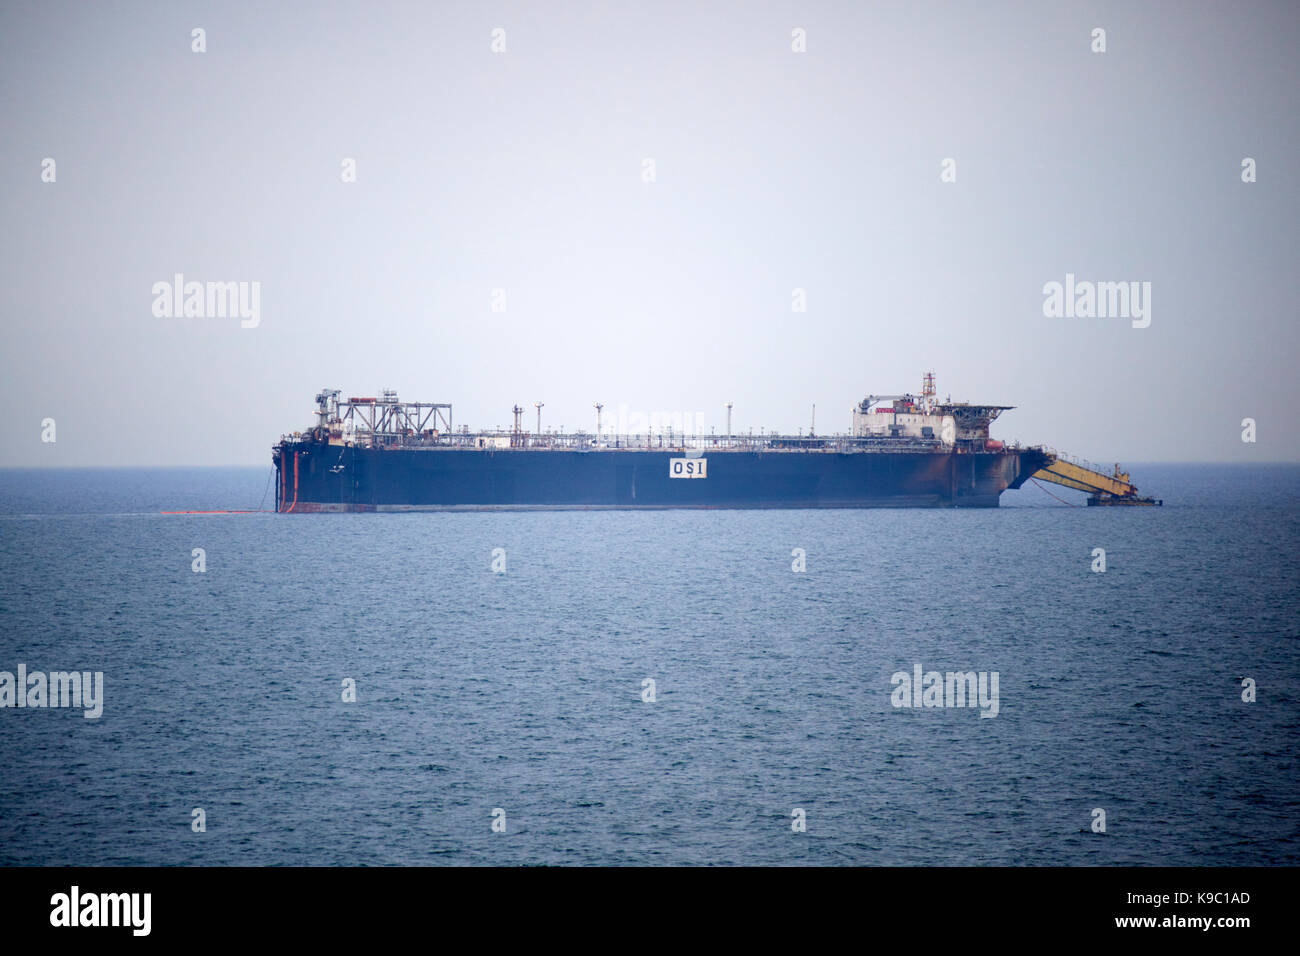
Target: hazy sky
x=524 y=171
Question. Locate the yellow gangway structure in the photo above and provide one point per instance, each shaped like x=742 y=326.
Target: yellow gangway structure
x=1103 y=489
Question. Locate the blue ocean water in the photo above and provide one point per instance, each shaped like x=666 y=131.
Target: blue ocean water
x=523 y=690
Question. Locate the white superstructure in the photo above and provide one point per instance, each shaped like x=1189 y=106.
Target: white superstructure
x=909 y=417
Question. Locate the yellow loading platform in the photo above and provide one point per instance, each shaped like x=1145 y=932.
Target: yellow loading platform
x=1102 y=488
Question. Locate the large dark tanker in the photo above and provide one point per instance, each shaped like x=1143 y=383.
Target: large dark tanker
x=379 y=454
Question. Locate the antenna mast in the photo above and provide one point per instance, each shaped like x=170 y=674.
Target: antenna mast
x=928 y=392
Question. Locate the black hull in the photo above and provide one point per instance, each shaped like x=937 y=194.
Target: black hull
x=318 y=477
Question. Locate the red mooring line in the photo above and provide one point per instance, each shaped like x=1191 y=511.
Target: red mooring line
x=1061 y=500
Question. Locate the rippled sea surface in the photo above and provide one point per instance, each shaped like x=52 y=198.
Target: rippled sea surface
x=523 y=691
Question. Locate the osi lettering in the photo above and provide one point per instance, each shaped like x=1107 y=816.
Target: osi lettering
x=688 y=468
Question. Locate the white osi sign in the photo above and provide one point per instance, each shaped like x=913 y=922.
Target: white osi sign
x=688 y=467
